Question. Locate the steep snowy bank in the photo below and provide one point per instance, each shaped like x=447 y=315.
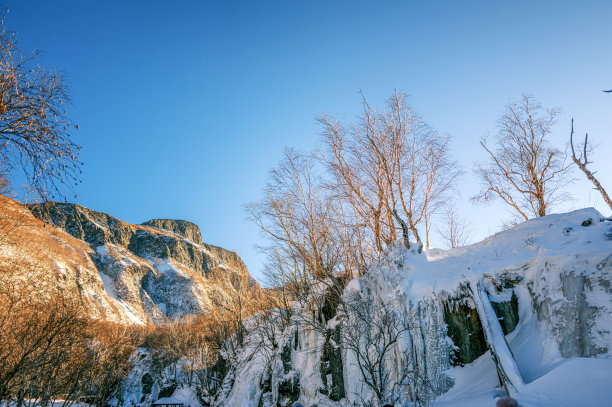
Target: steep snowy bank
x=552 y=275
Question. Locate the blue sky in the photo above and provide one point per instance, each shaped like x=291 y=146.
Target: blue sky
x=184 y=106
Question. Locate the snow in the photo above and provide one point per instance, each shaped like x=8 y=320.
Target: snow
x=54 y=403
x=531 y=241
x=187 y=396
x=109 y=286
x=473 y=382
x=169 y=400
x=564 y=269
x=104 y=251
x=576 y=382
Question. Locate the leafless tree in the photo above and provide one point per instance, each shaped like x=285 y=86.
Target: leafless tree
x=43 y=344
x=34 y=126
x=5 y=186
x=391 y=168
x=371 y=331
x=297 y=213
x=523 y=169
x=581 y=160
x=358 y=181
x=298 y=217
x=192 y=346
x=243 y=301
x=50 y=349
x=12 y=217
x=110 y=363
x=327 y=215
x=206 y=379
x=455 y=232
x=277 y=277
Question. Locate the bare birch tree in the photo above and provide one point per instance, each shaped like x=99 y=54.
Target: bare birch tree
x=296 y=214
x=299 y=218
x=392 y=168
x=523 y=169
x=581 y=160
x=358 y=179
x=455 y=232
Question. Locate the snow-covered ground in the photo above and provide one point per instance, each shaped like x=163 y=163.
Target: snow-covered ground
x=573 y=382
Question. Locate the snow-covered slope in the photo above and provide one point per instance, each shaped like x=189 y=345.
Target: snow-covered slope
x=127 y=273
x=548 y=281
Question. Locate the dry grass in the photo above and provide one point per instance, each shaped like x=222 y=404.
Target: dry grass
x=32 y=250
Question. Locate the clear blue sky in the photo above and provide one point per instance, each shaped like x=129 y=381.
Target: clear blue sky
x=183 y=106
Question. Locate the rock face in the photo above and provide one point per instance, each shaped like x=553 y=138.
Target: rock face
x=182 y=228
x=465 y=329
x=157 y=238
x=331 y=366
x=129 y=273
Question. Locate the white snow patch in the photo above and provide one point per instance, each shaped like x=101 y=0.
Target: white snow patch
x=109 y=286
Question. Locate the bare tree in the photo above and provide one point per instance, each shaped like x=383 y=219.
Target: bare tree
x=297 y=215
x=371 y=331
x=206 y=377
x=109 y=362
x=34 y=126
x=188 y=351
x=5 y=186
x=523 y=169
x=358 y=180
x=51 y=351
x=326 y=216
x=456 y=232
x=12 y=217
x=43 y=344
x=440 y=177
x=581 y=160
x=392 y=168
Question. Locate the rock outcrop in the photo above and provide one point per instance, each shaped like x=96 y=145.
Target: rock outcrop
x=158 y=238
x=182 y=228
x=129 y=273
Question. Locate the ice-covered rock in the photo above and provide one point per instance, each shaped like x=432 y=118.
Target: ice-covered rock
x=547 y=286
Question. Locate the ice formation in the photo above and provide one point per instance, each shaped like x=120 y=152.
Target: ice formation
x=548 y=281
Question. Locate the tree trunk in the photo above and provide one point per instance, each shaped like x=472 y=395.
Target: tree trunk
x=507 y=369
x=591 y=177
x=405 y=229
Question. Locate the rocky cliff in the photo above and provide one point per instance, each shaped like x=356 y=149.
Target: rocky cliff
x=130 y=273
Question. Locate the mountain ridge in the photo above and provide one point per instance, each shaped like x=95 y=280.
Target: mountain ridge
x=125 y=272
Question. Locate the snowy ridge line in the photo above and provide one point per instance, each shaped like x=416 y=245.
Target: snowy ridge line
x=507 y=368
